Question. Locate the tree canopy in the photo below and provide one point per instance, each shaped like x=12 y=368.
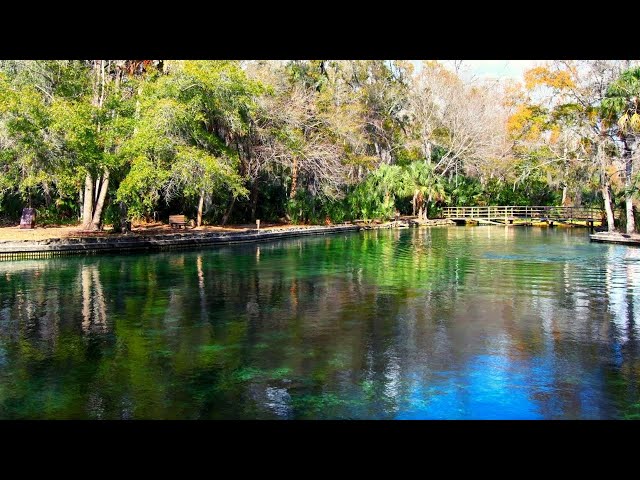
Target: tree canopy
x=104 y=142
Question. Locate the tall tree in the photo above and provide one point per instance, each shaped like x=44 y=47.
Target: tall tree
x=94 y=126
x=578 y=88
x=183 y=144
x=620 y=109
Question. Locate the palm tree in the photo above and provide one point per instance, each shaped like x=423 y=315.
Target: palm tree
x=388 y=181
x=423 y=185
x=621 y=107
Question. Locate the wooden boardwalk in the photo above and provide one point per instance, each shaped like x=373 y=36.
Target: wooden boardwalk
x=524 y=215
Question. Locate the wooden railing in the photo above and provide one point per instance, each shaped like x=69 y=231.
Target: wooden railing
x=511 y=212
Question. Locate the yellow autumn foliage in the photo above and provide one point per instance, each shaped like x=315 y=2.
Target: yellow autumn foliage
x=519 y=120
x=513 y=93
x=538 y=76
x=533 y=133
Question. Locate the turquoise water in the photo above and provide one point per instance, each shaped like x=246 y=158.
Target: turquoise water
x=442 y=323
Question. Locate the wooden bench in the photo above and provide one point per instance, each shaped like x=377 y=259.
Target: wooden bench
x=177 y=221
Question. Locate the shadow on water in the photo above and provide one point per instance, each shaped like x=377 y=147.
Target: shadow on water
x=486 y=322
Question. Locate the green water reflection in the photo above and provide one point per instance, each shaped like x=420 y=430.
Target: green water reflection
x=485 y=322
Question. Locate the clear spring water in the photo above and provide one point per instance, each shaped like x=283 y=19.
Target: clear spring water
x=442 y=323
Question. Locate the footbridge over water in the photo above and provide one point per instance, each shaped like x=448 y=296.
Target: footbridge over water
x=525 y=215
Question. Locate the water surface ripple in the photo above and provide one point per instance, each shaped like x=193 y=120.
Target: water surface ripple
x=442 y=323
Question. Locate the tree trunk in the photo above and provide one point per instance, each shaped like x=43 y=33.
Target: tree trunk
x=427 y=151
x=87 y=202
x=227 y=214
x=94 y=196
x=122 y=225
x=200 y=205
x=631 y=221
x=96 y=222
x=96 y=190
x=80 y=202
x=564 y=196
x=414 y=201
x=294 y=178
x=426 y=208
x=628 y=195
x=255 y=191
x=604 y=183
x=606 y=195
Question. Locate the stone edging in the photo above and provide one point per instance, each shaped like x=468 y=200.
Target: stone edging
x=59 y=246
x=11 y=250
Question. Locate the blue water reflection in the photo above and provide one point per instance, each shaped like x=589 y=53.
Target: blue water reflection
x=449 y=323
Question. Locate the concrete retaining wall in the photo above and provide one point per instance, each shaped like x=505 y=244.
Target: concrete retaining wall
x=65 y=246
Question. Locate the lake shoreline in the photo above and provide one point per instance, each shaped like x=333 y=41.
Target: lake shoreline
x=100 y=242
x=154 y=242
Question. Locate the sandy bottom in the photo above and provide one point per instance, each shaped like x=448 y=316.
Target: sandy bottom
x=44 y=233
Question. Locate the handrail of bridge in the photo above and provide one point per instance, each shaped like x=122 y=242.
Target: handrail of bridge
x=523 y=211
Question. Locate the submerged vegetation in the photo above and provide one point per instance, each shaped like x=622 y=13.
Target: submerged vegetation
x=415 y=323
x=101 y=142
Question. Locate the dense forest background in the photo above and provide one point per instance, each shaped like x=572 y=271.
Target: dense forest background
x=104 y=142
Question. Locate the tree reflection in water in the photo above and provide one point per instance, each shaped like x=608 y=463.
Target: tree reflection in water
x=425 y=323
